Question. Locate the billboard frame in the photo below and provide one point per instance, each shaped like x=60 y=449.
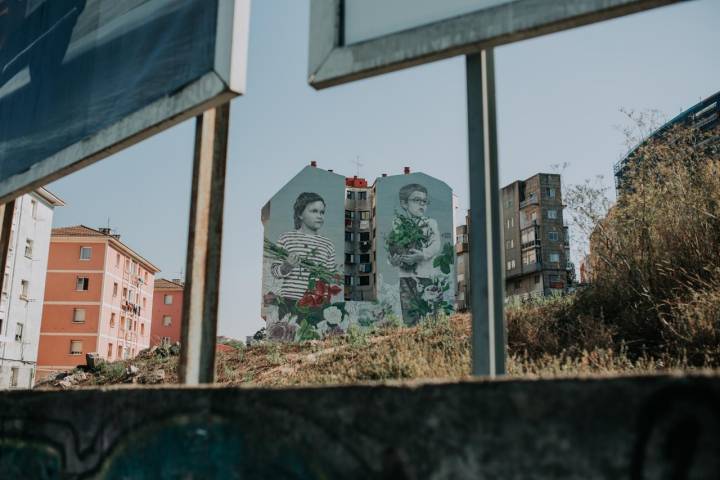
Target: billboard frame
x=333 y=63
x=226 y=81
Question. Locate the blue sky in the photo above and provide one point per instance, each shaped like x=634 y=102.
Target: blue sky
x=559 y=100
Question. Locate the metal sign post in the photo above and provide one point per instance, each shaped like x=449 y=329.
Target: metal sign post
x=486 y=252
x=200 y=303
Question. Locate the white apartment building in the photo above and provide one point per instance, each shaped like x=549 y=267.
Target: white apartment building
x=23 y=287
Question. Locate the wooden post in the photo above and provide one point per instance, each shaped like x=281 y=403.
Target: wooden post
x=200 y=305
x=485 y=237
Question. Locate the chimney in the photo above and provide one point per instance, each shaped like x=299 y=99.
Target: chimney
x=407 y=170
x=384 y=174
x=330 y=170
x=313 y=163
x=104 y=230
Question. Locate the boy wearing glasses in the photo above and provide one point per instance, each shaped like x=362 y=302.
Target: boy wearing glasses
x=416 y=264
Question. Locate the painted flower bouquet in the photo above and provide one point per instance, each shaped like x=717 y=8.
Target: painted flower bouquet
x=408 y=233
x=430 y=299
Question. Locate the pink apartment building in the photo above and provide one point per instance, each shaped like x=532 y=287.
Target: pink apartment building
x=167 y=311
x=98 y=298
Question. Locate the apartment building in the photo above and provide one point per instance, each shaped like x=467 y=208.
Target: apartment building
x=339 y=251
x=167 y=311
x=536 y=239
x=462 y=266
x=98 y=298
x=23 y=287
x=359 y=281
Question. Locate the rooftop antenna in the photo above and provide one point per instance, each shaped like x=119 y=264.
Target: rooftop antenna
x=357 y=165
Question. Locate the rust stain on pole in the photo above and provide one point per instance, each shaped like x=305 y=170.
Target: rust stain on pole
x=200 y=305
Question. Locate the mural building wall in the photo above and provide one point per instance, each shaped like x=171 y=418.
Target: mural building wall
x=315 y=268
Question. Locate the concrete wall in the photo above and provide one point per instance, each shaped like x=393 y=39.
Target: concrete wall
x=623 y=428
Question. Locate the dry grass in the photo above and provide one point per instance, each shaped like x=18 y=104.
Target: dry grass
x=435 y=350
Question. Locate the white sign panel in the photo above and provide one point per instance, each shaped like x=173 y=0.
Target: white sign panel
x=355 y=39
x=362 y=21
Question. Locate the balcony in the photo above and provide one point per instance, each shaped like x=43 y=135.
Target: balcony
x=530 y=201
x=531 y=244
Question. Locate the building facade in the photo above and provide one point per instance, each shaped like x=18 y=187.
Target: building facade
x=98 y=298
x=23 y=287
x=704 y=117
x=167 y=311
x=536 y=240
x=338 y=252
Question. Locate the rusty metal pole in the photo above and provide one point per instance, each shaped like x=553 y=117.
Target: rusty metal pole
x=200 y=304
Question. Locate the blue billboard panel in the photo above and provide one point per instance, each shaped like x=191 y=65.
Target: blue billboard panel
x=81 y=79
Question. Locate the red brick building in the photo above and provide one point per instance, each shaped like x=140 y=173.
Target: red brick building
x=167 y=311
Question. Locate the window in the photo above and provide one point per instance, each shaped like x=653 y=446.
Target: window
x=144 y=302
x=529 y=257
x=122 y=324
x=365 y=215
x=531 y=196
x=79 y=315
x=82 y=283
x=509 y=204
x=128 y=323
x=18 y=332
x=552 y=214
x=117 y=259
x=24 y=287
x=364 y=280
x=364 y=258
x=75 y=347
x=33 y=207
x=364 y=236
x=115 y=289
x=125 y=293
x=142 y=329
x=1 y=325
x=510 y=244
x=28 y=248
x=511 y=264
x=85 y=253
x=14 y=376
x=510 y=222
x=112 y=320
x=167 y=320
x=349 y=237
x=348 y=280
x=550 y=192
x=349 y=214
x=6 y=284
x=555 y=257
x=168 y=299
x=362 y=195
x=533 y=216
x=134 y=268
x=349 y=258
x=110 y=351
x=527 y=236
x=349 y=194
x=553 y=236
x=119 y=351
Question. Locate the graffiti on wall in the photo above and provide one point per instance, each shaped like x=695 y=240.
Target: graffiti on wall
x=304 y=247
x=415 y=247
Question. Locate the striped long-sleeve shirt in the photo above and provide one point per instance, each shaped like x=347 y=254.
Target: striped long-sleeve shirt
x=314 y=248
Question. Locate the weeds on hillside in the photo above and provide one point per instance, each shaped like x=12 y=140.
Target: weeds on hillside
x=655 y=254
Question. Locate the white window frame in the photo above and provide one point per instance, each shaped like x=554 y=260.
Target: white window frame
x=76 y=347
x=85 y=283
x=167 y=320
x=556 y=236
x=554 y=255
x=89 y=255
x=28 y=248
x=552 y=214
x=79 y=315
x=24 y=289
x=18 y=332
